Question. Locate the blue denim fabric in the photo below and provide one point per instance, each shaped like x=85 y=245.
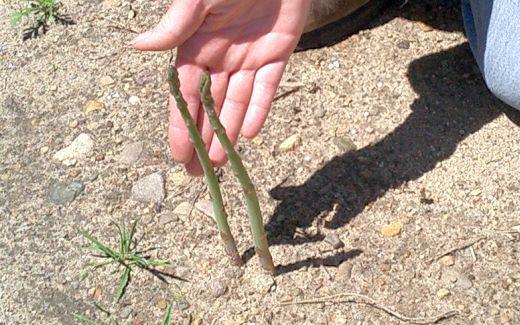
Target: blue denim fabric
x=493 y=31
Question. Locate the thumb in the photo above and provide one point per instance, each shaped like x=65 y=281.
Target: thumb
x=181 y=20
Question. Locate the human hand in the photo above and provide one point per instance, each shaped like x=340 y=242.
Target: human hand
x=244 y=45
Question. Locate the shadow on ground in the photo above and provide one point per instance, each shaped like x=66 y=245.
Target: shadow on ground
x=453 y=104
x=439 y=14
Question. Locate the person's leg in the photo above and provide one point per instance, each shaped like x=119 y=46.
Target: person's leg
x=493 y=30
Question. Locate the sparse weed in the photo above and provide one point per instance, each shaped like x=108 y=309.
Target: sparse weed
x=39 y=14
x=126 y=256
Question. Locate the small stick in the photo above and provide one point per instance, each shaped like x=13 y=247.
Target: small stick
x=349 y=297
x=253 y=207
x=213 y=186
x=456 y=248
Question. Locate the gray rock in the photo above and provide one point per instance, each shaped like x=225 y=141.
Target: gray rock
x=345 y=270
x=80 y=148
x=344 y=144
x=217 y=288
x=64 y=193
x=149 y=189
x=183 y=305
x=130 y=153
x=334 y=241
x=206 y=207
x=463 y=281
x=167 y=217
x=403 y=45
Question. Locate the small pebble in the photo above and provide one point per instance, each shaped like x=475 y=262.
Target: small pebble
x=167 y=217
x=96 y=294
x=131 y=14
x=424 y=27
x=79 y=148
x=344 y=144
x=44 y=150
x=74 y=124
x=62 y=193
x=494 y=311
x=443 y=293
x=162 y=304
x=106 y=81
x=290 y=143
x=93 y=105
x=392 y=229
x=403 y=45
x=134 y=100
x=345 y=270
x=183 y=209
x=206 y=207
x=447 y=260
x=130 y=153
x=334 y=241
x=149 y=189
x=217 y=288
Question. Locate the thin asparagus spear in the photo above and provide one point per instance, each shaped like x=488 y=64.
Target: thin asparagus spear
x=211 y=178
x=253 y=208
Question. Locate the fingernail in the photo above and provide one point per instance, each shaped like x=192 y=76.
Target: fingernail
x=141 y=37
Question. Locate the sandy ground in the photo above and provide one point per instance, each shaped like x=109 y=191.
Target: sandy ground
x=396 y=128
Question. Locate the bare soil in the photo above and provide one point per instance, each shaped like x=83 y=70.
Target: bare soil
x=396 y=126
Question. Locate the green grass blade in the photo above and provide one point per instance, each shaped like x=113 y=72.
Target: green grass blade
x=85 y=273
x=102 y=309
x=158 y=262
x=168 y=316
x=136 y=259
x=85 y=319
x=131 y=236
x=123 y=282
x=122 y=232
x=99 y=246
x=122 y=237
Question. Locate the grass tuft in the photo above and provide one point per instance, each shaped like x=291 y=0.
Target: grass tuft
x=126 y=256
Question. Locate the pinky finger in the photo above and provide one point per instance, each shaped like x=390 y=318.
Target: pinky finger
x=264 y=89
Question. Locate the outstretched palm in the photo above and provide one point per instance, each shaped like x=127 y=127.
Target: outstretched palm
x=245 y=45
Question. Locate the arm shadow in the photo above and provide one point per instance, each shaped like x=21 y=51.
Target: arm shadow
x=453 y=103
x=438 y=14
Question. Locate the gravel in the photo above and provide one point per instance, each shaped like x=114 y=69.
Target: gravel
x=433 y=151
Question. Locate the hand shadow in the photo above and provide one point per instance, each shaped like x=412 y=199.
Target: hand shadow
x=453 y=104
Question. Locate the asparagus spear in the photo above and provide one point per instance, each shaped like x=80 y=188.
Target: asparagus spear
x=253 y=208
x=211 y=178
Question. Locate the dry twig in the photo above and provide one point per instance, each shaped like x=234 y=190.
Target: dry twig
x=351 y=297
x=457 y=248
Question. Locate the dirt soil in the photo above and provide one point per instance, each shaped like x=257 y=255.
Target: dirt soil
x=404 y=157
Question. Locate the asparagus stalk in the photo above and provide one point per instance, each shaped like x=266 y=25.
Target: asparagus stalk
x=253 y=207
x=211 y=178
